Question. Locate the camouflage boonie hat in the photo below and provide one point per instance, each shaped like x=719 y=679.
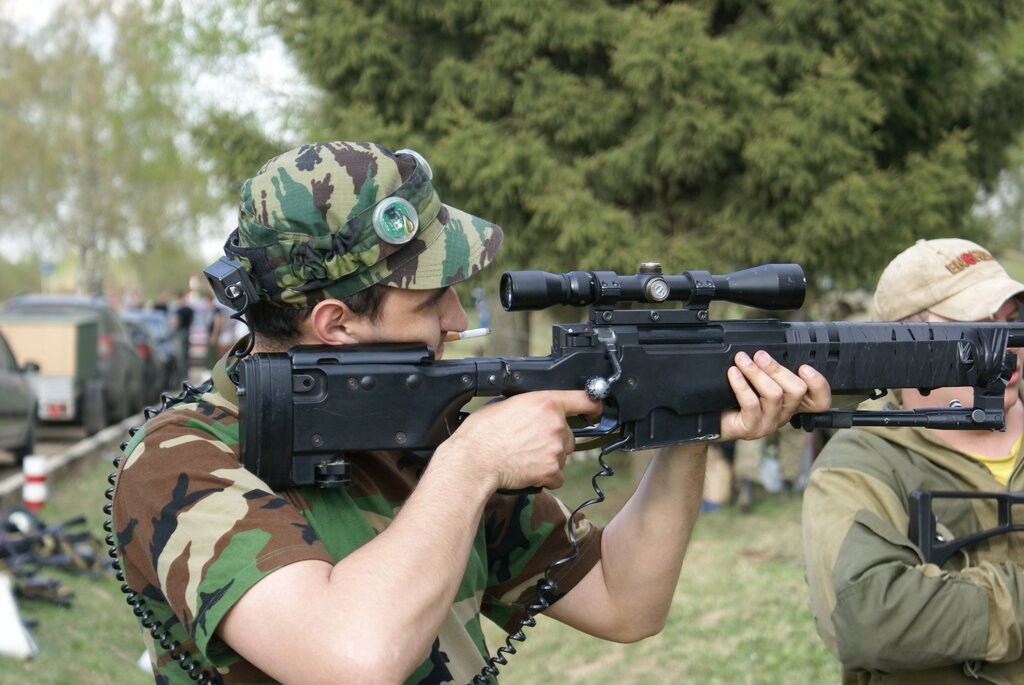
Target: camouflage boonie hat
x=331 y=219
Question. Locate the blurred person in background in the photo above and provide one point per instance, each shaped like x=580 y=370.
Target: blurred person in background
x=787 y=448
x=182 y=316
x=224 y=333
x=886 y=614
x=163 y=302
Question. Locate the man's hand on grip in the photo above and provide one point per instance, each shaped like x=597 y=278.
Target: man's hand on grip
x=521 y=441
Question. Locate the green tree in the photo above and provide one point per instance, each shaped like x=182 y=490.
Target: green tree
x=97 y=157
x=19 y=277
x=227 y=38
x=236 y=145
x=707 y=134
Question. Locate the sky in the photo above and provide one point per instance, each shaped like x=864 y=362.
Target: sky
x=279 y=84
x=28 y=12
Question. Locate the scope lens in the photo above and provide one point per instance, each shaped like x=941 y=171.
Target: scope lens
x=505 y=294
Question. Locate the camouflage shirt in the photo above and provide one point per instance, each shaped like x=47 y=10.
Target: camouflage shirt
x=195 y=530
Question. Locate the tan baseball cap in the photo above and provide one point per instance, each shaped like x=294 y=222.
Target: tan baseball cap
x=951 y=277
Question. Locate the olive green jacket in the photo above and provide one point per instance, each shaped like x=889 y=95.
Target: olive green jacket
x=886 y=615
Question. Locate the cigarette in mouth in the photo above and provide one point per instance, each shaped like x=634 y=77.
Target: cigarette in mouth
x=471 y=333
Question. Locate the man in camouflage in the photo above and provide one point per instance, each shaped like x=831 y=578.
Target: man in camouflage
x=888 y=616
x=386 y=580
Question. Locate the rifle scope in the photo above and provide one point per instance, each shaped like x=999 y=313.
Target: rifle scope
x=769 y=286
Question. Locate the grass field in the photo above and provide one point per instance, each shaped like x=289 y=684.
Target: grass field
x=739 y=615
x=95 y=640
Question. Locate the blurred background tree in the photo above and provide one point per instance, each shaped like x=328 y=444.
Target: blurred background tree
x=708 y=134
x=704 y=133
x=98 y=162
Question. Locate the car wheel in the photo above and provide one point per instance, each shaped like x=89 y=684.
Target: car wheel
x=27 y=447
x=94 y=409
x=125 y=406
x=120 y=404
x=139 y=405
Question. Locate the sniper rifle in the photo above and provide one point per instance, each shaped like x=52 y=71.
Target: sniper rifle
x=659 y=372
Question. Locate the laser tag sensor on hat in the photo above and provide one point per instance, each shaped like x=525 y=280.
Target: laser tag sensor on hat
x=231 y=284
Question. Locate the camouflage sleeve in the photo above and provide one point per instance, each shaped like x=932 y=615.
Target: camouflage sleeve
x=525 y=534
x=195 y=530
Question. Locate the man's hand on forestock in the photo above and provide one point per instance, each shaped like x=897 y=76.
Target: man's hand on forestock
x=521 y=441
x=769 y=394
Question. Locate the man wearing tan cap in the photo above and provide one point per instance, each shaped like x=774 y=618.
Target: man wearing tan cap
x=888 y=616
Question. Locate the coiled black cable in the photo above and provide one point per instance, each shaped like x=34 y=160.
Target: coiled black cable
x=135 y=600
x=545 y=586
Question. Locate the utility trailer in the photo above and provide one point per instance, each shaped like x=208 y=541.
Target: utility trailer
x=63 y=347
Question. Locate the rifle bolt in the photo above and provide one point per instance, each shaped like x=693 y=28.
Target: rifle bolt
x=597 y=388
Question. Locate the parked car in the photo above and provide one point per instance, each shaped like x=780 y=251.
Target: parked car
x=152 y=365
x=118 y=365
x=17 y=405
x=167 y=344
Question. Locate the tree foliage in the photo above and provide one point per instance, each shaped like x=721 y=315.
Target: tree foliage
x=97 y=157
x=704 y=133
x=235 y=146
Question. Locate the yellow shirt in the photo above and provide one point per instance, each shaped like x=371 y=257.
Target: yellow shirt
x=1001 y=467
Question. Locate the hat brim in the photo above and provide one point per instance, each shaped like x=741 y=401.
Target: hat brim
x=980 y=301
x=452 y=247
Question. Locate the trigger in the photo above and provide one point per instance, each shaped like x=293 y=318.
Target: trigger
x=606 y=426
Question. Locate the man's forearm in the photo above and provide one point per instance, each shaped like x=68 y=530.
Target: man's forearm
x=629 y=592
x=645 y=543
x=374 y=614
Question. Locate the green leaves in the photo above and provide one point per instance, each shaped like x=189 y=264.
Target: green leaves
x=99 y=163
x=706 y=134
